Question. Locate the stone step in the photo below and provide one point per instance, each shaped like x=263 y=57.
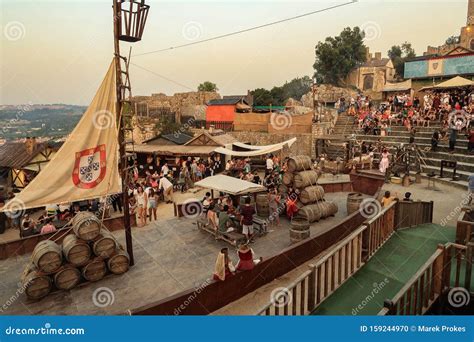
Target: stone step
x=461 y=166
x=441 y=147
x=448 y=173
x=403 y=139
x=468 y=158
x=461 y=184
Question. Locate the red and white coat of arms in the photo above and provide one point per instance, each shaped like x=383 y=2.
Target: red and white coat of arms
x=90 y=167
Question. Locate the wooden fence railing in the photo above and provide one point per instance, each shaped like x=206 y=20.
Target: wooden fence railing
x=409 y=214
x=329 y=273
x=432 y=280
x=464 y=228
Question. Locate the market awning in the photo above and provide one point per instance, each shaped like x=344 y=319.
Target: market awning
x=456 y=82
x=398 y=86
x=255 y=150
x=229 y=185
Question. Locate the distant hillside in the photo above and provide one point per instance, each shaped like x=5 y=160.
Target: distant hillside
x=38 y=120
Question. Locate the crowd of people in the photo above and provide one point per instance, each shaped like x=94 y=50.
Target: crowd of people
x=451 y=110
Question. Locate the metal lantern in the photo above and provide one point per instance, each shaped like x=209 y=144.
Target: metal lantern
x=132 y=18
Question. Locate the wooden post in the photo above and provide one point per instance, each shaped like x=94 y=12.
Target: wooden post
x=312 y=288
x=121 y=134
x=390 y=306
x=467 y=282
x=438 y=270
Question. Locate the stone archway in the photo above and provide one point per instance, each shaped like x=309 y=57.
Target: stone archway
x=368 y=82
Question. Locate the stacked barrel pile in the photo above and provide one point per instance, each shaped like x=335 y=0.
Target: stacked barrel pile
x=312 y=205
x=85 y=255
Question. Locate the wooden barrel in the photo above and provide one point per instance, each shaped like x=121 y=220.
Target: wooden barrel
x=47 y=256
x=76 y=251
x=105 y=244
x=311 y=194
x=94 y=270
x=287 y=178
x=311 y=213
x=36 y=284
x=300 y=224
x=298 y=235
x=86 y=225
x=67 y=277
x=119 y=262
x=328 y=209
x=299 y=163
x=305 y=178
x=262 y=205
x=354 y=199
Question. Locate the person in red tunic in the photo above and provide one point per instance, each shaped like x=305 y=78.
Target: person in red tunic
x=246 y=258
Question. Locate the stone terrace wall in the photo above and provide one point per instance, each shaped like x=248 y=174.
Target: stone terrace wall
x=180 y=103
x=273 y=123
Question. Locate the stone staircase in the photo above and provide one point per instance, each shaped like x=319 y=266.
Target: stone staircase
x=431 y=160
x=344 y=127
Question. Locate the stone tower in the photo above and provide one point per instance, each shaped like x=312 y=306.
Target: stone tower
x=470 y=13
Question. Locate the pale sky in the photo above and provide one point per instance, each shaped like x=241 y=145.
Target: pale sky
x=58 y=51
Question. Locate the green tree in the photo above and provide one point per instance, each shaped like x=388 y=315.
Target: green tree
x=297 y=87
x=399 y=54
x=337 y=56
x=167 y=126
x=262 y=97
x=278 y=96
x=208 y=86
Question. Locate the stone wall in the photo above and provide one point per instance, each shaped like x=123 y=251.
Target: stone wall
x=303 y=144
x=328 y=94
x=180 y=104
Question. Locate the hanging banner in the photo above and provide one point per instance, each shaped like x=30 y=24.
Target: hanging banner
x=86 y=166
x=435 y=67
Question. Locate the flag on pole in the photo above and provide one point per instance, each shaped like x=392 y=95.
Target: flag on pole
x=86 y=166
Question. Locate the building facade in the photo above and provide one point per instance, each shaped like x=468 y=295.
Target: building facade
x=372 y=76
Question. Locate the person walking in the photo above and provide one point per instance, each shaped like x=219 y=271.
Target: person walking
x=167 y=187
x=152 y=204
x=246 y=219
x=142 y=203
x=273 y=203
x=384 y=163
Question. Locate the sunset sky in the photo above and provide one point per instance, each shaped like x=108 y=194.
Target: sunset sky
x=58 y=51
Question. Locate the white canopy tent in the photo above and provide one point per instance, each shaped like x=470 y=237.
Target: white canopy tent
x=229 y=185
x=254 y=150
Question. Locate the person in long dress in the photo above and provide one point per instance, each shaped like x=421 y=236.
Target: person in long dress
x=384 y=163
x=223 y=267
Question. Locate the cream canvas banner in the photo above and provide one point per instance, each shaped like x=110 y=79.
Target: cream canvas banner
x=85 y=167
x=435 y=67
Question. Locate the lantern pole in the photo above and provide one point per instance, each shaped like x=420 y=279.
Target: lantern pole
x=123 y=167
